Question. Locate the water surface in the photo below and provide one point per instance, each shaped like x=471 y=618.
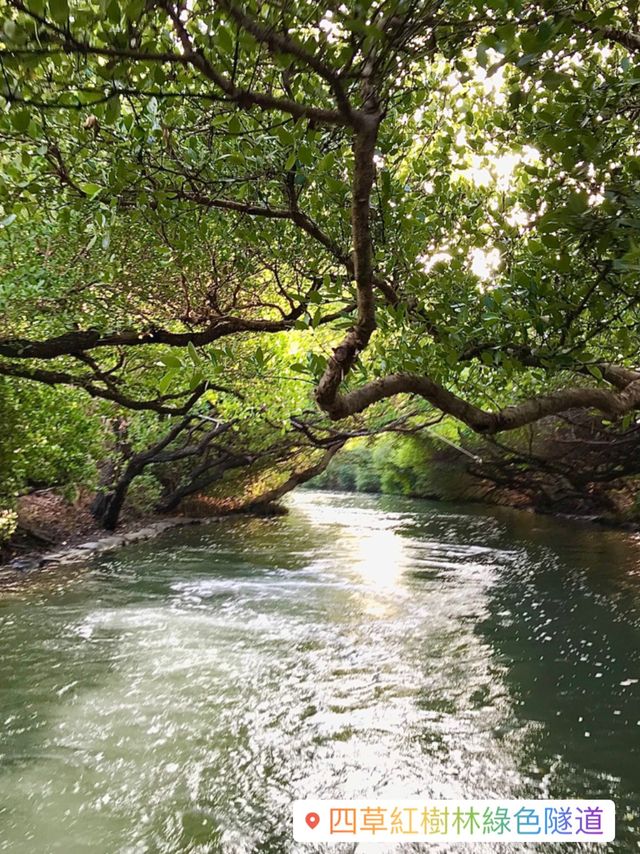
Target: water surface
x=177 y=695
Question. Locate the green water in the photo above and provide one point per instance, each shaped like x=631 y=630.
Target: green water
x=177 y=696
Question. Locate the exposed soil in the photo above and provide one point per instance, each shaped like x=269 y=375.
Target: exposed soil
x=46 y=520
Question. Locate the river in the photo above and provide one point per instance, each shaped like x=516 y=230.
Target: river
x=177 y=695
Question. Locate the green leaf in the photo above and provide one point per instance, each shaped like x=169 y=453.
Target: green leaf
x=554 y=79
x=134 y=9
x=113 y=11
x=193 y=353
x=285 y=136
x=112 y=110
x=9 y=28
x=224 y=39
x=20 y=119
x=166 y=381
x=578 y=202
x=305 y=155
x=291 y=161
x=327 y=162
x=90 y=189
x=59 y=10
x=195 y=380
x=595 y=371
x=171 y=361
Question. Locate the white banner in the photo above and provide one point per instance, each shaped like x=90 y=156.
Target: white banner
x=454 y=821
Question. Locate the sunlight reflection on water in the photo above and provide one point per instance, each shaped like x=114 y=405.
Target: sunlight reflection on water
x=183 y=694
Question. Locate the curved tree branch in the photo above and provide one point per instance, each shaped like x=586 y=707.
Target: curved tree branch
x=88 y=384
x=480 y=420
x=295 y=479
x=285 y=44
x=245 y=98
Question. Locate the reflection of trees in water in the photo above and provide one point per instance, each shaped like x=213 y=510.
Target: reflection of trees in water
x=566 y=623
x=562 y=621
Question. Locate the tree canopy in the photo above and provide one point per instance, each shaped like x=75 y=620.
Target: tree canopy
x=273 y=206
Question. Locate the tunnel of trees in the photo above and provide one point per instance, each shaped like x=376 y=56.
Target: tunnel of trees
x=234 y=236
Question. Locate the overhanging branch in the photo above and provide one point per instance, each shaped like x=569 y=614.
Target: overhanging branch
x=611 y=403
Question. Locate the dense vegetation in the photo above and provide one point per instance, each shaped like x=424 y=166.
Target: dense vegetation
x=404 y=466
x=235 y=235
x=576 y=472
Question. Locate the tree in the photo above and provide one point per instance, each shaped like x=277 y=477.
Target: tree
x=441 y=192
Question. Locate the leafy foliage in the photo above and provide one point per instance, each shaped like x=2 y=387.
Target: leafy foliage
x=49 y=438
x=251 y=209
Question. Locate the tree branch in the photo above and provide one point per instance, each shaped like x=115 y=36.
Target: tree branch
x=245 y=98
x=285 y=44
x=295 y=479
x=608 y=402
x=88 y=384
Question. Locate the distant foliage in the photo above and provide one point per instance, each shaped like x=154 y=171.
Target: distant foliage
x=397 y=465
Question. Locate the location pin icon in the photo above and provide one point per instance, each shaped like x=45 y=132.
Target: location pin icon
x=312 y=819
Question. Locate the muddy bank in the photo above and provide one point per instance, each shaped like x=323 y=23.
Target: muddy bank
x=80 y=551
x=52 y=531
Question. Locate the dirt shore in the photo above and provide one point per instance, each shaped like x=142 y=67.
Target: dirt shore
x=52 y=530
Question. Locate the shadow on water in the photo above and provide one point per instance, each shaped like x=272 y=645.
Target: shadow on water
x=567 y=627
x=563 y=627
x=182 y=693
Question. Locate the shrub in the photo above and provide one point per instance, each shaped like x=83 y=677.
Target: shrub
x=8 y=525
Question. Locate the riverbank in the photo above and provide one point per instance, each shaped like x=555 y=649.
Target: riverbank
x=81 y=550
x=53 y=531
x=579 y=486
x=611 y=522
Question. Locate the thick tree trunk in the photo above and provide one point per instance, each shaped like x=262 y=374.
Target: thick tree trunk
x=108 y=514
